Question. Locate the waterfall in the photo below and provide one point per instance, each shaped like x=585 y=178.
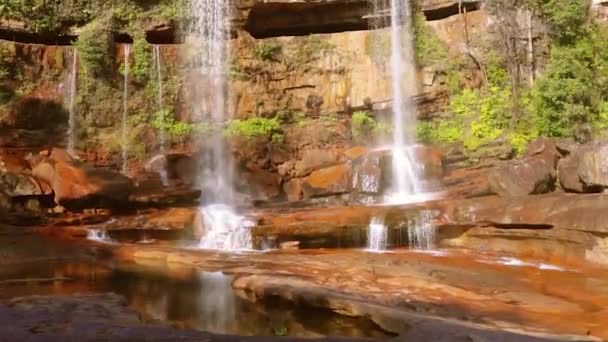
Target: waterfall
x=161 y=104
x=377 y=234
x=421 y=231
x=98 y=235
x=224 y=229
x=403 y=84
x=125 y=142
x=72 y=101
x=208 y=34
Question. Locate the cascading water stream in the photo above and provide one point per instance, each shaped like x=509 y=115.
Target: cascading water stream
x=377 y=234
x=421 y=231
x=208 y=34
x=406 y=181
x=156 y=55
x=125 y=109
x=72 y=101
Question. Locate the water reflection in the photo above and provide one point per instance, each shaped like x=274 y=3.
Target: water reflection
x=185 y=298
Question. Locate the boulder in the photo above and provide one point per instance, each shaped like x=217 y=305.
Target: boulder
x=293 y=189
x=329 y=181
x=546 y=147
x=593 y=166
x=315 y=159
x=18 y=184
x=567 y=174
x=534 y=175
x=77 y=185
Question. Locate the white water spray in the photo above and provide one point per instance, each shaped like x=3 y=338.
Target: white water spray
x=377 y=234
x=406 y=181
x=224 y=228
x=125 y=88
x=72 y=102
x=421 y=231
x=98 y=235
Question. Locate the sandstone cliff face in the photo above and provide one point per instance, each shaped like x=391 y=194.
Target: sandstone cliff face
x=312 y=81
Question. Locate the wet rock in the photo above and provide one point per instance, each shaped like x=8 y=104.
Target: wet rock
x=329 y=181
x=468 y=183
x=317 y=159
x=168 y=219
x=356 y=152
x=77 y=185
x=431 y=159
x=535 y=175
x=261 y=184
x=293 y=189
x=368 y=174
x=593 y=167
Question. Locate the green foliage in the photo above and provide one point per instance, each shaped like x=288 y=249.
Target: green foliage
x=164 y=121
x=567 y=19
x=48 y=16
x=141 y=57
x=574 y=85
x=267 y=50
x=430 y=50
x=363 y=125
x=254 y=127
x=93 y=46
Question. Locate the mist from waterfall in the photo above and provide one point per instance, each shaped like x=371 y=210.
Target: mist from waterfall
x=208 y=35
x=156 y=56
x=73 y=75
x=125 y=109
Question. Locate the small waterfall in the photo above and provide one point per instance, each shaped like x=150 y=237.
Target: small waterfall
x=72 y=101
x=98 y=235
x=161 y=105
x=421 y=231
x=377 y=234
x=208 y=34
x=224 y=229
x=125 y=109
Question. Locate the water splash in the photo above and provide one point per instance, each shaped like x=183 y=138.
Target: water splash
x=421 y=231
x=224 y=228
x=125 y=108
x=377 y=234
x=72 y=102
x=156 y=55
x=98 y=235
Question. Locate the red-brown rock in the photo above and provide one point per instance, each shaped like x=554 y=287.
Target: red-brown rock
x=293 y=189
x=535 y=175
x=329 y=181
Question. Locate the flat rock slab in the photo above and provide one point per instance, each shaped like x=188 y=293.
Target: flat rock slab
x=105 y=317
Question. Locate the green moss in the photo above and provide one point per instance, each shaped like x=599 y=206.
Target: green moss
x=267 y=50
x=93 y=47
x=253 y=128
x=363 y=126
x=309 y=49
x=140 y=69
x=430 y=50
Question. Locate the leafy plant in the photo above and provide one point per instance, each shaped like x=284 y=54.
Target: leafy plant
x=93 y=46
x=363 y=125
x=267 y=50
x=141 y=57
x=254 y=127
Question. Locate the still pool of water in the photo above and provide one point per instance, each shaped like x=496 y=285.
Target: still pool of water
x=187 y=298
